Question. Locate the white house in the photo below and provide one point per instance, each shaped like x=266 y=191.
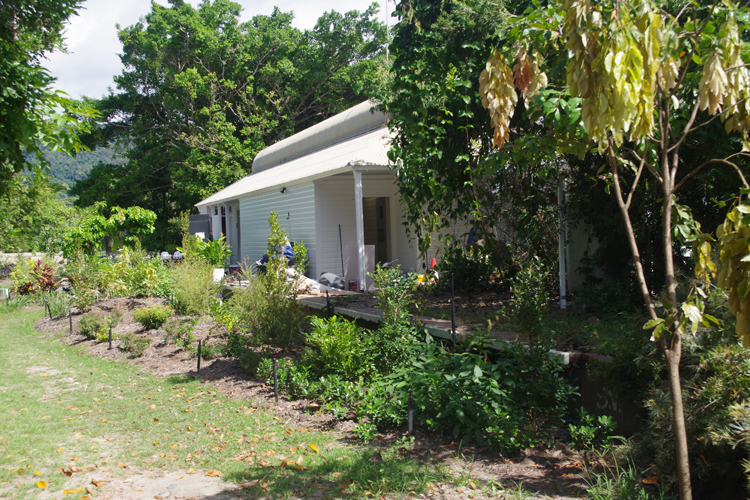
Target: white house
x=332 y=189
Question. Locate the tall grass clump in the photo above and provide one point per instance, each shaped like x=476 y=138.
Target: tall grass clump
x=195 y=290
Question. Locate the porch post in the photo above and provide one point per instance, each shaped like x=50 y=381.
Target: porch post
x=227 y=236
x=358 y=211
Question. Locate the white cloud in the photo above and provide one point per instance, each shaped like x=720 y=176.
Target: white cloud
x=92 y=61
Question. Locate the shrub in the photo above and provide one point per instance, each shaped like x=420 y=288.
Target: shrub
x=267 y=310
x=195 y=290
x=152 y=318
x=337 y=346
x=91 y=326
x=182 y=333
x=395 y=339
x=34 y=276
x=530 y=301
x=591 y=432
x=134 y=344
x=250 y=361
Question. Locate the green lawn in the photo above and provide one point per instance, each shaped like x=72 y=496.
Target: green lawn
x=61 y=408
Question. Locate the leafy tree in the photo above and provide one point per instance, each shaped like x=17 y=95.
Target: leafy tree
x=201 y=94
x=34 y=215
x=32 y=114
x=639 y=79
x=443 y=142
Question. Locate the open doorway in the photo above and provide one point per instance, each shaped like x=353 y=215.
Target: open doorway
x=376 y=217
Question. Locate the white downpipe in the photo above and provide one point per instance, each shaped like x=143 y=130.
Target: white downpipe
x=563 y=250
x=359 y=215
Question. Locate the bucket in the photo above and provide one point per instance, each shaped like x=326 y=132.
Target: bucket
x=352 y=285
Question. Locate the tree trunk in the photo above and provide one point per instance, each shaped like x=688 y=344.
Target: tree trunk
x=672 y=358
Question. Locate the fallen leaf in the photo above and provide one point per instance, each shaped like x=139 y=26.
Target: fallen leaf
x=213 y=473
x=650 y=480
x=122 y=466
x=70 y=492
x=104 y=421
x=336 y=474
x=156 y=443
x=66 y=472
x=473 y=486
x=41 y=485
x=154 y=419
x=299 y=460
x=37 y=473
x=314 y=448
x=86 y=497
x=191 y=471
x=262 y=463
x=297 y=467
x=45 y=375
x=98 y=484
x=45 y=417
x=59 y=450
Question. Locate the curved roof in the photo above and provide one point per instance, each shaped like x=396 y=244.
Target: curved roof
x=354 y=121
x=369 y=149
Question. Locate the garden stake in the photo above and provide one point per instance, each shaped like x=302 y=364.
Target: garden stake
x=46 y=308
x=110 y=337
x=200 y=344
x=453 y=310
x=275 y=382
x=70 y=320
x=410 y=426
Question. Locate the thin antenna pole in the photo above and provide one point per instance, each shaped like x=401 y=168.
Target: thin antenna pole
x=386 y=30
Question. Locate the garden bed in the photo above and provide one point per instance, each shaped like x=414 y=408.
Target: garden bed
x=555 y=472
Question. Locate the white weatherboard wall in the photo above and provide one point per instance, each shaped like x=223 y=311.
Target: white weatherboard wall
x=334 y=202
x=297 y=203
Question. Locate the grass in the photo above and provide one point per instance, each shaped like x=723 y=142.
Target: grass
x=62 y=408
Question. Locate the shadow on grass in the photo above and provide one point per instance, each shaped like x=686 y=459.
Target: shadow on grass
x=368 y=474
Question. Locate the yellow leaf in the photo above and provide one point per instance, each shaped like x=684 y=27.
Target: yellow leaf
x=122 y=466
x=162 y=455
x=41 y=485
x=86 y=497
x=98 y=483
x=213 y=473
x=37 y=473
x=70 y=492
x=173 y=447
x=156 y=443
x=45 y=375
x=154 y=419
x=314 y=448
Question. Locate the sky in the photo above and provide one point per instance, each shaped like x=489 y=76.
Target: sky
x=91 y=37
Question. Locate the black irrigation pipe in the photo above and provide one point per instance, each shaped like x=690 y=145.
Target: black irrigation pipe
x=275 y=382
x=110 y=337
x=410 y=406
x=200 y=349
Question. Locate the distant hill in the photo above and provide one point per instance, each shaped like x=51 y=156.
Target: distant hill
x=69 y=169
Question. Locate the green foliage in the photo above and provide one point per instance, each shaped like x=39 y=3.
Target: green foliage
x=337 y=346
x=592 y=432
x=195 y=290
x=267 y=310
x=250 y=361
x=507 y=402
x=34 y=276
x=34 y=215
x=218 y=99
x=531 y=301
x=395 y=340
x=471 y=272
x=216 y=253
x=135 y=345
x=621 y=482
x=33 y=114
x=125 y=226
x=59 y=303
x=365 y=432
x=152 y=317
x=182 y=332
x=92 y=326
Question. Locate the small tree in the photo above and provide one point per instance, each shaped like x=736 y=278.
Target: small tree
x=638 y=75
